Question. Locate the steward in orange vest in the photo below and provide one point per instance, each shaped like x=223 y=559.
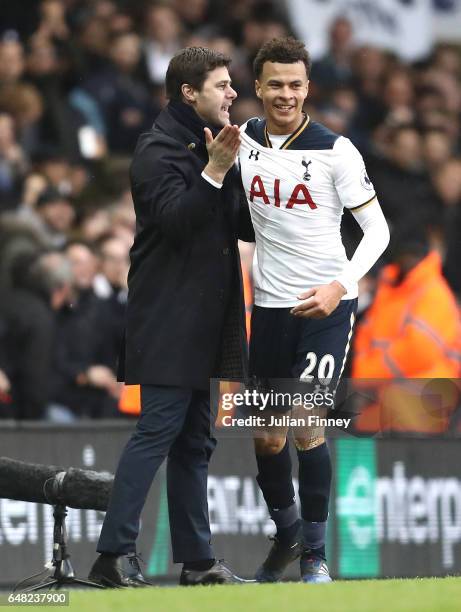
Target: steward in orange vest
x=412 y=330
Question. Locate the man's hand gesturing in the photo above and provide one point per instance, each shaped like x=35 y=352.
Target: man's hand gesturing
x=222 y=151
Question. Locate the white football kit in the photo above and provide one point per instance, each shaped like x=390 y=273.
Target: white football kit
x=297 y=188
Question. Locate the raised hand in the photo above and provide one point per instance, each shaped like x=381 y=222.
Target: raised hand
x=222 y=151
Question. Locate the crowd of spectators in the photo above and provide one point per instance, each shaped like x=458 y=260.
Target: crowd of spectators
x=81 y=79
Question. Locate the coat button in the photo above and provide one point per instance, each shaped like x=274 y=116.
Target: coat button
x=226 y=251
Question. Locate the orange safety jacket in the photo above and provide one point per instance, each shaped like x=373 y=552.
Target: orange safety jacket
x=248 y=295
x=130 y=400
x=412 y=331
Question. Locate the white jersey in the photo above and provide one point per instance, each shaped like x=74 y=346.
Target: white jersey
x=296 y=196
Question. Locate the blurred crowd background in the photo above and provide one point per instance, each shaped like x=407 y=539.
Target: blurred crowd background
x=80 y=80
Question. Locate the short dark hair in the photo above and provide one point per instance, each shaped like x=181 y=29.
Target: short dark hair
x=284 y=51
x=412 y=240
x=51 y=195
x=192 y=65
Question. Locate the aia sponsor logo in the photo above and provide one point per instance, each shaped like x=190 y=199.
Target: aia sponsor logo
x=300 y=196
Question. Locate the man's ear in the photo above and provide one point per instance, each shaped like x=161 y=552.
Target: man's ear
x=258 y=89
x=307 y=88
x=189 y=93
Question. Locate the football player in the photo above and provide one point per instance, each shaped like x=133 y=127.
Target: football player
x=299 y=177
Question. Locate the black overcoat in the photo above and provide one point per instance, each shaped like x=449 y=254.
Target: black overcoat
x=185 y=314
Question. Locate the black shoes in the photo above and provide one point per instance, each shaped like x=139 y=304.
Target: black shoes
x=219 y=573
x=118 y=571
x=124 y=571
x=280 y=556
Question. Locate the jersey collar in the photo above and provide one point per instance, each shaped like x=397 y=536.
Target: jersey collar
x=291 y=138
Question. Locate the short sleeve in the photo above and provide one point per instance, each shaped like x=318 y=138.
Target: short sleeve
x=351 y=181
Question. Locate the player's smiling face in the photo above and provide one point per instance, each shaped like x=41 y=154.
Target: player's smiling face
x=282 y=89
x=213 y=101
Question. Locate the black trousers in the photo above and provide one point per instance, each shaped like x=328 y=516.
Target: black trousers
x=174 y=423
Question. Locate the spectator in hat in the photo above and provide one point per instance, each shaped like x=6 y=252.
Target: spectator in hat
x=53 y=216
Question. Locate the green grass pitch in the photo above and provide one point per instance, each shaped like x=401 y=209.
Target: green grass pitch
x=418 y=595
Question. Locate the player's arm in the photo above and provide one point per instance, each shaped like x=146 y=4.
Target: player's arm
x=324 y=299
x=374 y=242
x=245 y=230
x=357 y=194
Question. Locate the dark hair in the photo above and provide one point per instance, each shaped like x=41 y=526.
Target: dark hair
x=283 y=50
x=51 y=195
x=412 y=240
x=191 y=65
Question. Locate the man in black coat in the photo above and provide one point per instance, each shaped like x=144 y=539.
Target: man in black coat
x=37 y=290
x=185 y=315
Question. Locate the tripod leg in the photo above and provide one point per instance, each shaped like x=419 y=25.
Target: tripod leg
x=88 y=583
x=40 y=585
x=64 y=573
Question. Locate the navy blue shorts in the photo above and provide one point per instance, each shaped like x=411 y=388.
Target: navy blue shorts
x=312 y=350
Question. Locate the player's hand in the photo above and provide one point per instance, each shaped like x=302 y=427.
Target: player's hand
x=319 y=302
x=222 y=151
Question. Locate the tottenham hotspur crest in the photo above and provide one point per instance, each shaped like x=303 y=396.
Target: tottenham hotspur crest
x=306 y=175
